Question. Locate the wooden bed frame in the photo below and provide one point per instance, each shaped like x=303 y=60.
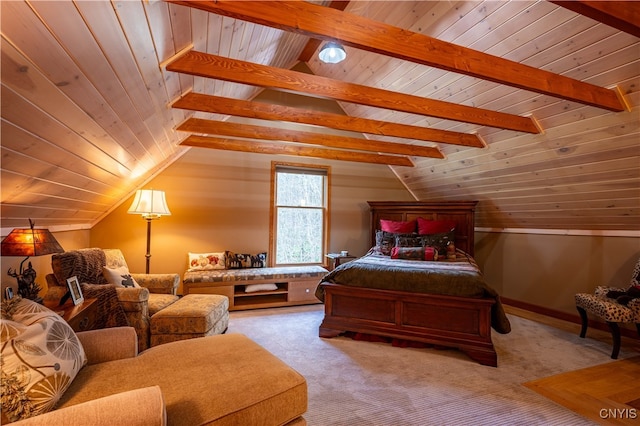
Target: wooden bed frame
x=450 y=321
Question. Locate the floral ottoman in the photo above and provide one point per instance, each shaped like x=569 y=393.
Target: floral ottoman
x=194 y=315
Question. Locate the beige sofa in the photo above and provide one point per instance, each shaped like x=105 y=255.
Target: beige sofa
x=216 y=380
x=156 y=291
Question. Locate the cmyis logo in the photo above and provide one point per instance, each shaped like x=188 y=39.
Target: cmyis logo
x=618 y=413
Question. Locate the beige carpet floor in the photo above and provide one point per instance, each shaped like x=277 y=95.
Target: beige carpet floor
x=364 y=383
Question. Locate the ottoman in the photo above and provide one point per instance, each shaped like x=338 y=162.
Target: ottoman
x=194 y=315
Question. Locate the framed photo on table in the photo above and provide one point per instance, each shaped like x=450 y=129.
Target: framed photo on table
x=75 y=290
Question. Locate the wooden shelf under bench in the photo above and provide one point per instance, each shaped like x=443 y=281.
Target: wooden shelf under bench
x=296 y=285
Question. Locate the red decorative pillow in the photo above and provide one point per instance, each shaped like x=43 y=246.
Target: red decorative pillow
x=428 y=227
x=414 y=253
x=398 y=227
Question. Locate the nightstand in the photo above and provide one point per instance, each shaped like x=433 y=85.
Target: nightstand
x=81 y=317
x=336 y=259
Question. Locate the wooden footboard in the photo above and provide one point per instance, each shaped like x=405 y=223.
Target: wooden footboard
x=457 y=322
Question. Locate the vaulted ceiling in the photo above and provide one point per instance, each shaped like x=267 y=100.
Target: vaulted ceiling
x=530 y=107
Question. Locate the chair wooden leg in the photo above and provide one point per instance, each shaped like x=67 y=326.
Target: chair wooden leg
x=615 y=333
x=585 y=321
x=638 y=328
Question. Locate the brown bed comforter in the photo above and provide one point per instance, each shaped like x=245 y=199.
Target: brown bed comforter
x=461 y=278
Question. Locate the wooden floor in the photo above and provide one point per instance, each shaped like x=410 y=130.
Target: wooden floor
x=607 y=394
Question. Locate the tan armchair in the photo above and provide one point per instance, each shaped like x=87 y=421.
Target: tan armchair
x=156 y=291
x=223 y=379
x=143 y=406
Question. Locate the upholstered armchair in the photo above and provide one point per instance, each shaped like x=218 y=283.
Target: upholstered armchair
x=614 y=305
x=96 y=268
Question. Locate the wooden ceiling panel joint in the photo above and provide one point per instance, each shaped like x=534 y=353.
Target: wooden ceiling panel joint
x=623 y=99
x=163 y=64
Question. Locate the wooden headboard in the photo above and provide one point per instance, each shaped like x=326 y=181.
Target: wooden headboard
x=462 y=212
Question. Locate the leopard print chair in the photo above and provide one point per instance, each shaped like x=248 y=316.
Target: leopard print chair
x=610 y=309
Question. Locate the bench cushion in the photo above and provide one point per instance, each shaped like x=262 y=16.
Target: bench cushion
x=276 y=273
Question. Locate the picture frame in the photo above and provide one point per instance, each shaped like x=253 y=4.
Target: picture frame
x=75 y=290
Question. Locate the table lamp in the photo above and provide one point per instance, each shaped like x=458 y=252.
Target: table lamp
x=29 y=242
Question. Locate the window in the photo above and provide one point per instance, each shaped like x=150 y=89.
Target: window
x=300 y=205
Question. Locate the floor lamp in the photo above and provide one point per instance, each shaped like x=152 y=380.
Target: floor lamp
x=151 y=204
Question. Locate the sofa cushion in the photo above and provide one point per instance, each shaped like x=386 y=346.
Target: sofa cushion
x=222 y=379
x=158 y=302
x=41 y=356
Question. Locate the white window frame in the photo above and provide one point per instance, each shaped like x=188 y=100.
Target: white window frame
x=302 y=168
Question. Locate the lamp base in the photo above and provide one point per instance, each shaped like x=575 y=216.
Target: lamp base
x=27 y=286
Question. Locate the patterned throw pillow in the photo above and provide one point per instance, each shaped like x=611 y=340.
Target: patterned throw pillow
x=408 y=241
x=41 y=356
x=244 y=260
x=439 y=241
x=409 y=253
x=206 y=261
x=120 y=277
x=415 y=253
x=385 y=241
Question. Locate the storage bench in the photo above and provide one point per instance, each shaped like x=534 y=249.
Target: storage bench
x=295 y=285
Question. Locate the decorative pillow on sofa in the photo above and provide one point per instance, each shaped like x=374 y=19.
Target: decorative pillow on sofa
x=244 y=260
x=41 y=356
x=206 y=261
x=398 y=227
x=120 y=277
x=429 y=227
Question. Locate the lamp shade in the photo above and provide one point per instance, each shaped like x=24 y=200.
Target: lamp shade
x=332 y=53
x=149 y=203
x=30 y=242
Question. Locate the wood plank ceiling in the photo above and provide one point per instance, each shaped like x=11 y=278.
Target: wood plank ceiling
x=530 y=107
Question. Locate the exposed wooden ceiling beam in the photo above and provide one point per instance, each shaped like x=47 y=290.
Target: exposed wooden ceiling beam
x=302 y=151
x=622 y=15
x=312 y=45
x=259 y=110
x=213 y=66
x=362 y=33
x=250 y=131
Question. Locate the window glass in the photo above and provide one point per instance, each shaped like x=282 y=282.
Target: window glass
x=300 y=214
